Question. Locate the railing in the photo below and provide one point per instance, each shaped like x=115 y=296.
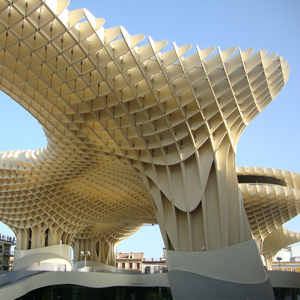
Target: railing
x=7 y=238
x=109 y=269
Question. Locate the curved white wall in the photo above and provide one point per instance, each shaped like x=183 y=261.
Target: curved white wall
x=49 y=258
x=240 y=263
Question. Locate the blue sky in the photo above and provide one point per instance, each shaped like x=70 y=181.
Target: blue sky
x=271 y=140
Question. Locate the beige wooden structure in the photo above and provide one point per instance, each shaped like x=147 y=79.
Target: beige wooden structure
x=135 y=135
x=271 y=198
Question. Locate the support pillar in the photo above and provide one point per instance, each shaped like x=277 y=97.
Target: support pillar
x=202 y=218
x=102 y=251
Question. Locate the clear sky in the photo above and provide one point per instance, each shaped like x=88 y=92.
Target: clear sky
x=271 y=140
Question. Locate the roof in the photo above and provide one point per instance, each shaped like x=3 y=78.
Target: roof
x=130 y=256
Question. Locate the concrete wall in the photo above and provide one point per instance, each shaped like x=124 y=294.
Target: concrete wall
x=234 y=272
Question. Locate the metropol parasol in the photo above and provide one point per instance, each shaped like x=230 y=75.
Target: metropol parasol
x=137 y=135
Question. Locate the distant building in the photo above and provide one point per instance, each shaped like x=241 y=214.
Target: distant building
x=6 y=256
x=155 y=266
x=138 y=263
x=130 y=261
x=287 y=259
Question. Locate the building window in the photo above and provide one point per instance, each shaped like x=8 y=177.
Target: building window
x=138 y=266
x=130 y=265
x=123 y=265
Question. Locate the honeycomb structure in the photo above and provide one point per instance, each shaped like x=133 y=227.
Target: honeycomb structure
x=269 y=206
x=135 y=135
